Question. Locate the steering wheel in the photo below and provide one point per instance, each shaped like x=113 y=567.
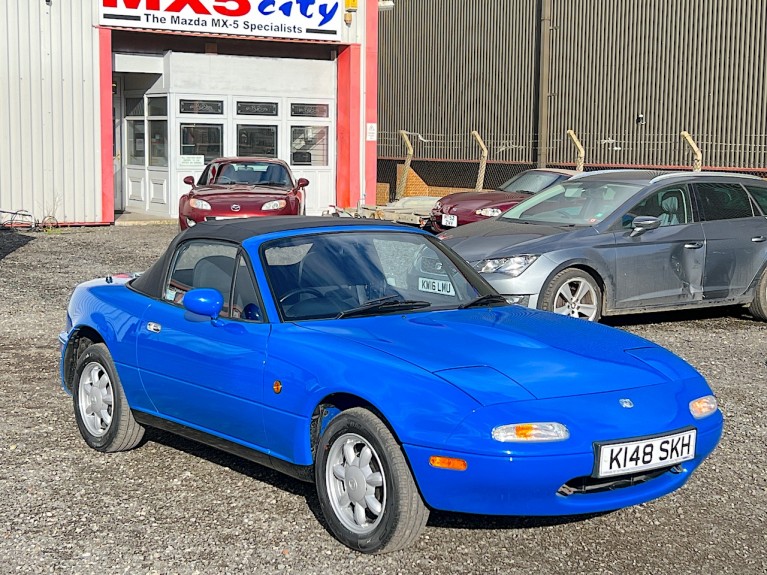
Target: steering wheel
x=301 y=290
x=563 y=212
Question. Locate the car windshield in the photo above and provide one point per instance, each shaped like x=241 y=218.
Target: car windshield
x=353 y=274
x=577 y=203
x=529 y=182
x=254 y=174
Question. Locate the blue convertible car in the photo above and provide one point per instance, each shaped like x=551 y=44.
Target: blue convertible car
x=369 y=359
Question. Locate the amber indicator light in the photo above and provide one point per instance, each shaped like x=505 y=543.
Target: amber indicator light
x=277 y=387
x=448 y=463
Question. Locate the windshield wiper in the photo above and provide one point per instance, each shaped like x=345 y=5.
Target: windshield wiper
x=388 y=303
x=484 y=300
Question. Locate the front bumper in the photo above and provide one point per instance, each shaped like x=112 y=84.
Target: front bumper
x=532 y=486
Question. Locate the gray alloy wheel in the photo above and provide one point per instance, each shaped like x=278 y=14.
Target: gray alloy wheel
x=95 y=398
x=355 y=482
x=758 y=307
x=575 y=293
x=365 y=487
x=101 y=409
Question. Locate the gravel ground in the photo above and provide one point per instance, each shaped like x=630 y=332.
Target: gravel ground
x=173 y=506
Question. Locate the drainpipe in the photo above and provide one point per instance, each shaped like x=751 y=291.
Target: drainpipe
x=544 y=74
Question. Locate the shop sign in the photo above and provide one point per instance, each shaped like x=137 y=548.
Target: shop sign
x=298 y=19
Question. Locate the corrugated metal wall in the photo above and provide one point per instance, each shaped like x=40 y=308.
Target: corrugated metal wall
x=49 y=109
x=694 y=65
x=449 y=67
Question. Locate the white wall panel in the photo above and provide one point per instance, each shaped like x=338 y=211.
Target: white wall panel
x=49 y=109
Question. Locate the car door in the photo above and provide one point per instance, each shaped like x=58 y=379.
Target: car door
x=664 y=266
x=200 y=372
x=735 y=234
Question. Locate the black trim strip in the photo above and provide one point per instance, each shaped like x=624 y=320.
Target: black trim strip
x=301 y=472
x=321 y=31
x=122 y=17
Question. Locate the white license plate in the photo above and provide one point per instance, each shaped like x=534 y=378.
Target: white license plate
x=230 y=217
x=435 y=286
x=645 y=454
x=449 y=221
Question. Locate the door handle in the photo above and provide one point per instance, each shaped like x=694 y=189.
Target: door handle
x=693 y=245
x=758 y=239
x=154 y=327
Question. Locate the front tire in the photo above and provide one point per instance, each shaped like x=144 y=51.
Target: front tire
x=573 y=292
x=758 y=307
x=366 y=491
x=101 y=409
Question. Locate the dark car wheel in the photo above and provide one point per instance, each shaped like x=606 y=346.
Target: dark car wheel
x=575 y=293
x=101 y=409
x=366 y=491
x=758 y=307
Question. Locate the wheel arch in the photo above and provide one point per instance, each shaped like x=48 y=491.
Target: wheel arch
x=79 y=340
x=334 y=404
x=590 y=268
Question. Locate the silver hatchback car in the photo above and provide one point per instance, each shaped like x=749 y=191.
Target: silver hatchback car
x=628 y=241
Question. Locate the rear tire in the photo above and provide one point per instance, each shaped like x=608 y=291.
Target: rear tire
x=366 y=491
x=101 y=409
x=573 y=292
x=758 y=307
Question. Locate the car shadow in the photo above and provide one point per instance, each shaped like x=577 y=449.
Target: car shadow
x=11 y=240
x=235 y=463
x=713 y=313
x=257 y=472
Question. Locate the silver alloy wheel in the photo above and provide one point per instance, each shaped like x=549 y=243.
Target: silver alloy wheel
x=356 y=483
x=96 y=399
x=577 y=298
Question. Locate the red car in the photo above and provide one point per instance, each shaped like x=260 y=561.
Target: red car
x=468 y=207
x=242 y=188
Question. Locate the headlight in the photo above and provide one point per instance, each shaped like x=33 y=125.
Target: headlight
x=512 y=266
x=489 y=212
x=703 y=406
x=531 y=432
x=274 y=205
x=199 y=204
x=438 y=205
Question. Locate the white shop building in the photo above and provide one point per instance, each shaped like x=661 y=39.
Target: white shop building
x=106 y=105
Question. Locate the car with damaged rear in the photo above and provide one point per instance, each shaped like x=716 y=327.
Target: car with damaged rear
x=367 y=358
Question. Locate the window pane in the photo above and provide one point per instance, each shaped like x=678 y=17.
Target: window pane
x=201 y=106
x=203 y=140
x=134 y=107
x=158 y=151
x=202 y=265
x=245 y=304
x=257 y=141
x=157 y=106
x=309 y=145
x=309 y=110
x=760 y=195
x=257 y=109
x=136 y=144
x=723 y=201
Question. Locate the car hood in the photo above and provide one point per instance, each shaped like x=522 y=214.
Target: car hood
x=512 y=353
x=496 y=237
x=470 y=201
x=235 y=192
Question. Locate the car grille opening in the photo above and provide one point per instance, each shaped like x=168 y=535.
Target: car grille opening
x=588 y=484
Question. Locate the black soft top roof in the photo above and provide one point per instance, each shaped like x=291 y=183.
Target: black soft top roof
x=151 y=282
